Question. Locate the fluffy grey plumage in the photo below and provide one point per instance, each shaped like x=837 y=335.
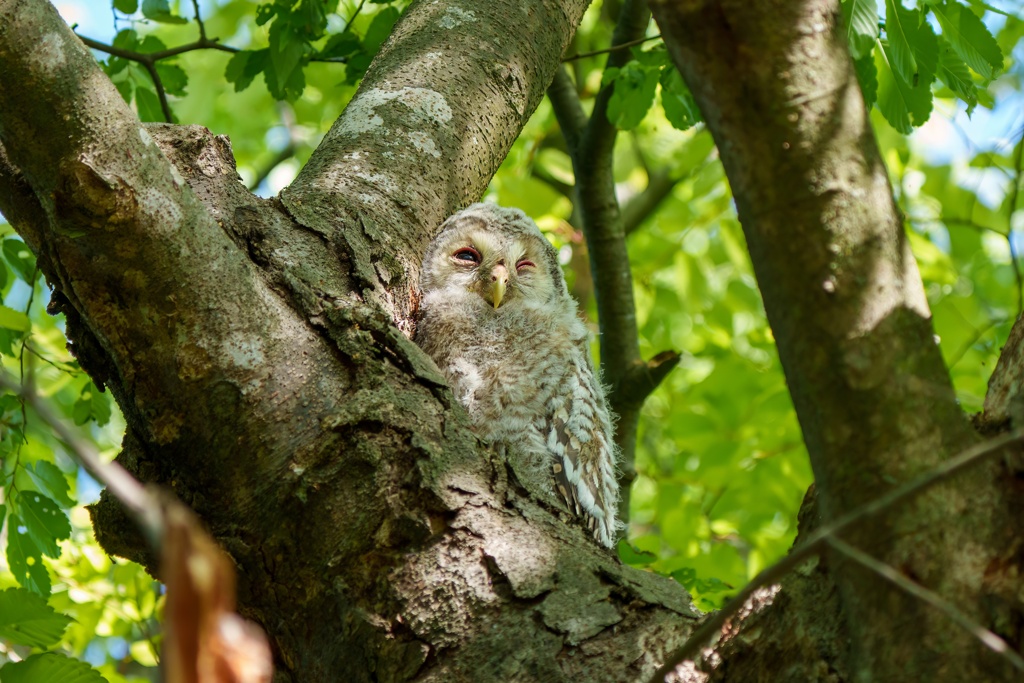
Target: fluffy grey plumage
x=498 y=320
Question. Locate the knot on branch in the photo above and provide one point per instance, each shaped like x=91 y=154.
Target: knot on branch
x=641 y=379
x=86 y=199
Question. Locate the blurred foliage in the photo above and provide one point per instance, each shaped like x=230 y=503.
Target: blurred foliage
x=721 y=465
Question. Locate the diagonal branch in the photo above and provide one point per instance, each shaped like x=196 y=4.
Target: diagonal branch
x=987 y=637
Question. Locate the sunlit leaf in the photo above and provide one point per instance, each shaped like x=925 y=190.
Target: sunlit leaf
x=861 y=21
x=160 y=10
x=25 y=558
x=49 y=666
x=26 y=619
x=45 y=522
x=969 y=37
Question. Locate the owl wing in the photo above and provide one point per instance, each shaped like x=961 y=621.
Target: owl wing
x=580 y=439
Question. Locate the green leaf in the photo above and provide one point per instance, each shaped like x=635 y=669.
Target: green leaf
x=126 y=6
x=286 y=50
x=677 y=100
x=151 y=44
x=955 y=74
x=11 y=319
x=26 y=619
x=633 y=96
x=656 y=57
x=25 y=559
x=125 y=87
x=173 y=77
x=91 y=404
x=148 y=104
x=867 y=76
x=265 y=13
x=244 y=66
x=861 y=19
x=21 y=258
x=631 y=556
x=126 y=39
x=45 y=522
x=341 y=45
x=160 y=11
x=899 y=29
x=970 y=38
x=51 y=481
x=379 y=30
x=907 y=103
x=49 y=666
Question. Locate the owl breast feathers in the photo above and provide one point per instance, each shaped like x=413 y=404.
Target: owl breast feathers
x=498 y=320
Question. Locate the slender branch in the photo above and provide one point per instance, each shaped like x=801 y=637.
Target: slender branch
x=639 y=208
x=957 y=616
x=567 y=107
x=967 y=223
x=978 y=334
x=613 y=48
x=286 y=153
x=153 y=57
x=1011 y=208
x=955 y=465
x=355 y=14
x=199 y=20
x=161 y=93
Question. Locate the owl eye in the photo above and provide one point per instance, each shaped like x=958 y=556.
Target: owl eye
x=525 y=263
x=467 y=254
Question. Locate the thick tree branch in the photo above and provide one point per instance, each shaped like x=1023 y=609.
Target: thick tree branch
x=848 y=311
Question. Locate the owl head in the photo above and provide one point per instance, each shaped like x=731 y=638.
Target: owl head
x=495 y=255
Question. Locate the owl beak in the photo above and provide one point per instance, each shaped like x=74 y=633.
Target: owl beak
x=498 y=283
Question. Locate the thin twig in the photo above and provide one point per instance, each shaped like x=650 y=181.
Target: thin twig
x=811 y=546
x=987 y=638
x=355 y=14
x=1014 y=188
x=613 y=48
x=199 y=20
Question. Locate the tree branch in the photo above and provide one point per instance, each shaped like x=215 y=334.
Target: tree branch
x=566 y=104
x=613 y=48
x=639 y=208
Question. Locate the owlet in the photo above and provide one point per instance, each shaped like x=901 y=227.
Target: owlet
x=498 y=320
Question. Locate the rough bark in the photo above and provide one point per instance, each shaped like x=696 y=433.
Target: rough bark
x=258 y=350
x=777 y=89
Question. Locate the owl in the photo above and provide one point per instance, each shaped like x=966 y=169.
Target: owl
x=498 y=320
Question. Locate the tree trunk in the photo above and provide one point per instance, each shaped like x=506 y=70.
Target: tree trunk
x=778 y=91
